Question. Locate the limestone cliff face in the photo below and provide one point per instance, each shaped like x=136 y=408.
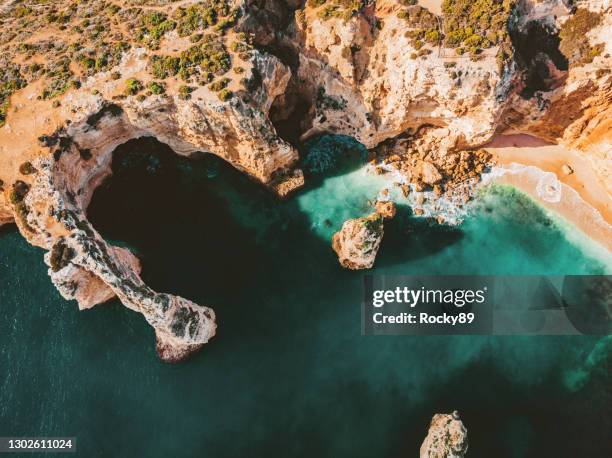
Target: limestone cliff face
x=86 y=268
x=446 y=438
x=371 y=80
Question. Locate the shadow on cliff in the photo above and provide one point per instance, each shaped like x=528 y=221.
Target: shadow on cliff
x=6 y=228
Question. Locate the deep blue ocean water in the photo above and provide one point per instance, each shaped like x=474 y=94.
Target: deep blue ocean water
x=289 y=373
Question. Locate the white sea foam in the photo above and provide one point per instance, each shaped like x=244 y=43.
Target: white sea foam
x=549 y=190
x=451 y=207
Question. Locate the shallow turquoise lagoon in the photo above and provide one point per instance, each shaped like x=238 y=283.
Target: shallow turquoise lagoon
x=289 y=374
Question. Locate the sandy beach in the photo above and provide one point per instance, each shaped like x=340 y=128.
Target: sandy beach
x=579 y=197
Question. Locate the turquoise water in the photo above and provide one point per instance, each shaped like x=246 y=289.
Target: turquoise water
x=289 y=373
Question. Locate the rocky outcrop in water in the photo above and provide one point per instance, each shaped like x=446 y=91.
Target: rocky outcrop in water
x=357 y=242
x=446 y=438
x=386 y=209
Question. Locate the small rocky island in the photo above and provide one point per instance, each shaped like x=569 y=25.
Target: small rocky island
x=357 y=243
x=446 y=438
x=248 y=81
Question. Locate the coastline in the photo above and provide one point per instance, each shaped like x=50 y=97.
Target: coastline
x=536 y=168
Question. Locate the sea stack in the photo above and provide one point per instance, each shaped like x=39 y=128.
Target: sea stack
x=446 y=438
x=357 y=243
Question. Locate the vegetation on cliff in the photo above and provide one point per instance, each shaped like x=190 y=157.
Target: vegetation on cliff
x=575 y=43
x=63 y=43
x=474 y=25
x=10 y=81
x=17 y=196
x=467 y=26
x=202 y=61
x=61 y=255
x=342 y=9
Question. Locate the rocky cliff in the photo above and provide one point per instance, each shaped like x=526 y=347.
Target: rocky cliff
x=248 y=80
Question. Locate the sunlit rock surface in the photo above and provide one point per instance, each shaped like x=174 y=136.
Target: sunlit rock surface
x=446 y=438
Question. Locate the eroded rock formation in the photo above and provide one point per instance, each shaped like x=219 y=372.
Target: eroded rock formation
x=446 y=438
x=69 y=151
x=357 y=242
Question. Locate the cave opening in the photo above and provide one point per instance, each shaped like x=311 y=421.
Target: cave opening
x=538 y=55
x=175 y=214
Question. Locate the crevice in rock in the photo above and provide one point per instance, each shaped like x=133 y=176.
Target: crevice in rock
x=270 y=24
x=290 y=116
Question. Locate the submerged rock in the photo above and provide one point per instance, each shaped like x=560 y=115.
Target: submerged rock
x=446 y=438
x=357 y=243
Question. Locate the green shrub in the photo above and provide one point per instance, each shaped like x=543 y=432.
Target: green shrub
x=60 y=80
x=374 y=224
x=156 y=87
x=61 y=255
x=202 y=15
x=13 y=81
x=433 y=36
x=153 y=26
x=218 y=85
x=18 y=192
x=467 y=22
x=185 y=92
x=27 y=168
x=23 y=11
x=164 y=66
x=343 y=9
x=210 y=56
x=225 y=94
x=132 y=86
x=574 y=43
x=88 y=63
x=419 y=17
